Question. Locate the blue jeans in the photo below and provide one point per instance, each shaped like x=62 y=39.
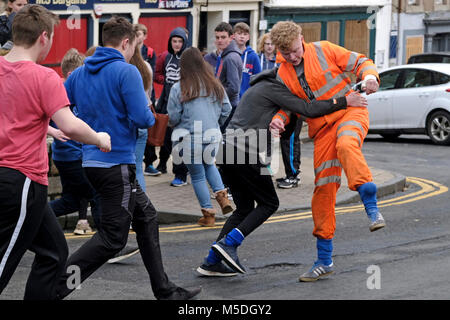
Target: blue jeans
x=202 y=173
x=140 y=149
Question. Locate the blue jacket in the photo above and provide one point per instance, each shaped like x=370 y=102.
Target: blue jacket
x=196 y=117
x=110 y=97
x=250 y=66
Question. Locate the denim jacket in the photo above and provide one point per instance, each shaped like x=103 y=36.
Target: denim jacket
x=201 y=117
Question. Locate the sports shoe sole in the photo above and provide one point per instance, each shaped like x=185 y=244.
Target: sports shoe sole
x=152 y=174
x=214 y=274
x=179 y=185
x=125 y=256
x=227 y=259
x=377 y=227
x=287 y=187
x=81 y=232
x=307 y=279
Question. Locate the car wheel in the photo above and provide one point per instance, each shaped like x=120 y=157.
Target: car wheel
x=390 y=136
x=438 y=127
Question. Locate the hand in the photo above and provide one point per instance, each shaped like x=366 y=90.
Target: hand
x=276 y=127
x=371 y=86
x=354 y=99
x=61 y=136
x=104 y=141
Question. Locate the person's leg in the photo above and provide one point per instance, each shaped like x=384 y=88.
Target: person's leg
x=117 y=198
x=51 y=251
x=69 y=174
x=258 y=188
x=140 y=149
x=22 y=205
x=145 y=224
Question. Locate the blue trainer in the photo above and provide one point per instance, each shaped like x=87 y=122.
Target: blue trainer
x=151 y=171
x=229 y=255
x=317 y=271
x=177 y=182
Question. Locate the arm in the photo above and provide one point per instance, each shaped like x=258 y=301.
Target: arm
x=233 y=76
x=174 y=106
x=356 y=63
x=133 y=95
x=282 y=97
x=78 y=130
x=226 y=110
x=57 y=134
x=159 y=68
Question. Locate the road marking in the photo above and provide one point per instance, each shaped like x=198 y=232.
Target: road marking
x=427 y=189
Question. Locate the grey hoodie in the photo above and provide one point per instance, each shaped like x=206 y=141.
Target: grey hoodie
x=261 y=102
x=229 y=72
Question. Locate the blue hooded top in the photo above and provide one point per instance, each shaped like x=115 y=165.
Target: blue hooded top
x=109 y=95
x=250 y=65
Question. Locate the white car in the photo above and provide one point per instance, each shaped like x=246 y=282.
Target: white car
x=412 y=99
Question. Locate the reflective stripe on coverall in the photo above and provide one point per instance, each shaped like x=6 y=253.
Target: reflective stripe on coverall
x=338 y=137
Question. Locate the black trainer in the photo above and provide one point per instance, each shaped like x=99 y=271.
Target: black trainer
x=288 y=183
x=182 y=294
x=215 y=270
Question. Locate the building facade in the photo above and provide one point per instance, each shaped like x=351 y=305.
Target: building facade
x=363 y=26
x=419 y=26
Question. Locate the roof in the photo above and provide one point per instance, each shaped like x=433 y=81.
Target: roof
x=439 y=67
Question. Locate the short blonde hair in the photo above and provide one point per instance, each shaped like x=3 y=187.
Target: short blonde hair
x=284 y=33
x=241 y=27
x=71 y=60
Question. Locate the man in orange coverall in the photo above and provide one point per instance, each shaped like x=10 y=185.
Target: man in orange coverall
x=316 y=71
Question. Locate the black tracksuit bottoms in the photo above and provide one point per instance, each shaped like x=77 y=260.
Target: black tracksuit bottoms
x=28 y=223
x=123 y=201
x=248 y=186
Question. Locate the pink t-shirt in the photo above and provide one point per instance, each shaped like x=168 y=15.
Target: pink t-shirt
x=29 y=96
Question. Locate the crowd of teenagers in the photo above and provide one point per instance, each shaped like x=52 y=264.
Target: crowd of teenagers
x=218 y=104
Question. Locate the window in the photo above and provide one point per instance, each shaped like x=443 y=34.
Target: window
x=389 y=79
x=416 y=78
x=441 y=78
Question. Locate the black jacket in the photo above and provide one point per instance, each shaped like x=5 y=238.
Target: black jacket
x=171 y=68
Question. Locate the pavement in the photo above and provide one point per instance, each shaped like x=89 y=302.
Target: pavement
x=180 y=205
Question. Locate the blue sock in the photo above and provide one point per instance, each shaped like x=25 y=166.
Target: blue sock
x=324 y=251
x=234 y=238
x=212 y=257
x=368 y=194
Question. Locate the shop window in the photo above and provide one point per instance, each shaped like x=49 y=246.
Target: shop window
x=311 y=31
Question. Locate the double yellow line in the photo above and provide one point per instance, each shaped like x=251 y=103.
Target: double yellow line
x=427 y=189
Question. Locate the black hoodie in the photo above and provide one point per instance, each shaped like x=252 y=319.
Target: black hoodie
x=171 y=68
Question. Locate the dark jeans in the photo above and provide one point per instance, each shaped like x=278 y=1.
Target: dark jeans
x=291 y=147
x=248 y=186
x=179 y=170
x=77 y=192
x=123 y=201
x=28 y=223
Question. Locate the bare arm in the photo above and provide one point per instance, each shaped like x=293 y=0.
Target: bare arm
x=78 y=130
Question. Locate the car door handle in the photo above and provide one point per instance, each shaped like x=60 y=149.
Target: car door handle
x=425 y=94
x=383 y=98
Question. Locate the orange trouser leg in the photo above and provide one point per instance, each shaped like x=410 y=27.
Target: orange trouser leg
x=335 y=147
x=351 y=131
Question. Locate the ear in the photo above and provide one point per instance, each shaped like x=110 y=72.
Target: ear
x=125 y=43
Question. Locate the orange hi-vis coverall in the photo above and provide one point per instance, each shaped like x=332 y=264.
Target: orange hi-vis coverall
x=338 y=137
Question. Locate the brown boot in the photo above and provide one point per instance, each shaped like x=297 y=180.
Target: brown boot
x=208 y=218
x=224 y=203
